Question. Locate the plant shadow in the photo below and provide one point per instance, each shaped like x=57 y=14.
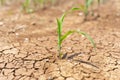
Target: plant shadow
x=71 y=57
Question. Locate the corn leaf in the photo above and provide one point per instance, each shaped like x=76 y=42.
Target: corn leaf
x=88 y=3
x=26 y=3
x=81 y=8
x=66 y=35
x=26 y=6
x=74 y=9
x=59 y=31
x=80 y=32
x=88 y=37
x=62 y=18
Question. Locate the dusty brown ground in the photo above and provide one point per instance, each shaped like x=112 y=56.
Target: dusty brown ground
x=28 y=45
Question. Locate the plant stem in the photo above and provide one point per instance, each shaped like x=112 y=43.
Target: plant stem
x=59 y=45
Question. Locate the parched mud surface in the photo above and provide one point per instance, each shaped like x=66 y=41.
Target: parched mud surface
x=28 y=46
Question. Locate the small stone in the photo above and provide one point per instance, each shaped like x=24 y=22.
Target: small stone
x=80 y=14
x=1 y=23
x=69 y=49
x=26 y=40
x=16 y=34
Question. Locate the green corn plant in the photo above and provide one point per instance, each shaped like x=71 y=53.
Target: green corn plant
x=26 y=6
x=85 y=7
x=61 y=37
x=36 y=4
x=88 y=3
x=2 y=2
x=42 y=2
x=102 y=1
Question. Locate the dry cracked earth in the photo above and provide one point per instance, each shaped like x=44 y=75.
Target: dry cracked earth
x=28 y=46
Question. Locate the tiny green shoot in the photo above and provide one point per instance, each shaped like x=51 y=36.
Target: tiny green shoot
x=26 y=6
x=88 y=3
x=2 y=2
x=61 y=37
x=85 y=8
x=35 y=4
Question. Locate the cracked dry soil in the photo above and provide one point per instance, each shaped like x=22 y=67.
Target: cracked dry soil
x=28 y=46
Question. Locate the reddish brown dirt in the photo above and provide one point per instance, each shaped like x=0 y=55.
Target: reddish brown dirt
x=28 y=45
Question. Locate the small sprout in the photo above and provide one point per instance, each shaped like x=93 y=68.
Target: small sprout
x=26 y=6
x=2 y=2
x=85 y=8
x=35 y=4
x=61 y=37
x=88 y=3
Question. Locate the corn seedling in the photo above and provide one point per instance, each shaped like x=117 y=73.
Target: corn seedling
x=43 y=2
x=2 y=2
x=85 y=7
x=26 y=6
x=88 y=3
x=61 y=37
x=36 y=4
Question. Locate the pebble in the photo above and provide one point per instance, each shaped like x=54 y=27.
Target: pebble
x=1 y=23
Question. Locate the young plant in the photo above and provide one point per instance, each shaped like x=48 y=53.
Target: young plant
x=36 y=4
x=85 y=8
x=101 y=1
x=61 y=37
x=26 y=6
x=52 y=2
x=2 y=2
